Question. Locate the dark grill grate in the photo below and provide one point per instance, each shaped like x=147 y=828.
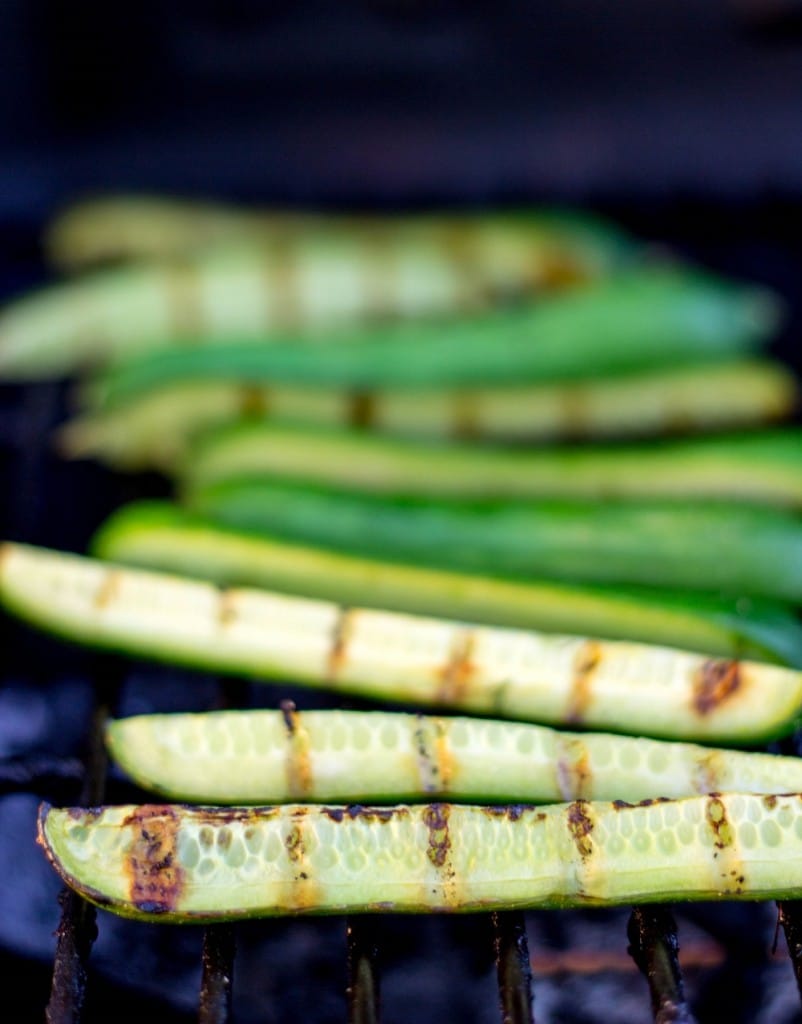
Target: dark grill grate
x=327 y=969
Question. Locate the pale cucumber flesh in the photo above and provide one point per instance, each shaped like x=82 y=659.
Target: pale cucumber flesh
x=168 y=863
x=261 y=757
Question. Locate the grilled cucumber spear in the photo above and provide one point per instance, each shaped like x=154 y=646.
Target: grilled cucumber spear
x=550 y=247
x=642 y=319
x=178 y=864
x=302 y=283
x=620 y=686
x=698 y=546
x=261 y=757
x=155 y=428
x=765 y=467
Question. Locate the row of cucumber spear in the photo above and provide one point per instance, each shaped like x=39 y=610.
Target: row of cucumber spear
x=345 y=405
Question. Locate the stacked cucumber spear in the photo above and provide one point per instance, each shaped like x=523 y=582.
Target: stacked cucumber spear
x=336 y=399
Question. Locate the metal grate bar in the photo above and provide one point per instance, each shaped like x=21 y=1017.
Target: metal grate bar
x=513 y=968
x=653 y=945
x=77 y=928
x=790 y=918
x=363 y=991
x=217 y=960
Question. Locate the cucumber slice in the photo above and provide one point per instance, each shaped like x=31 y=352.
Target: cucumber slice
x=262 y=757
x=182 y=865
x=618 y=686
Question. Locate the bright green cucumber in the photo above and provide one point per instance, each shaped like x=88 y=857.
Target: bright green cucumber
x=188 y=865
x=710 y=546
x=156 y=428
x=265 y=757
x=645 y=318
x=158 y=535
x=763 y=467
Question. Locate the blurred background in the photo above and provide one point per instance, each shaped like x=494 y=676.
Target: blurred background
x=680 y=119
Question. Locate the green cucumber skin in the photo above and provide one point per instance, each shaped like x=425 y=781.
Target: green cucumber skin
x=184 y=865
x=714 y=547
x=266 y=757
x=516 y=674
x=160 y=536
x=764 y=467
x=641 y=319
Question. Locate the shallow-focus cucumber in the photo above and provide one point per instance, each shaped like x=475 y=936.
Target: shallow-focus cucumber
x=156 y=428
x=708 y=546
x=551 y=247
x=645 y=318
x=763 y=467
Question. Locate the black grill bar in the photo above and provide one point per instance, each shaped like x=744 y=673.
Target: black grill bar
x=790 y=917
x=513 y=968
x=217 y=961
x=653 y=945
x=363 y=991
x=41 y=773
x=77 y=928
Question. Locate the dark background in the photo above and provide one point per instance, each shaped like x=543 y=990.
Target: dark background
x=680 y=118
x=400 y=101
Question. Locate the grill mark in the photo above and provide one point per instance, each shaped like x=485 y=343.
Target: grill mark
x=340 y=638
x=183 y=295
x=301 y=892
x=108 y=589
x=456 y=675
x=573 y=407
x=580 y=825
x=510 y=811
x=281 y=275
x=354 y=811
x=361 y=410
x=435 y=760
x=253 y=400
x=708 y=771
x=465 y=416
x=427 y=764
x=574 y=777
x=716 y=681
x=226 y=607
x=379 y=275
x=435 y=818
x=587 y=660
x=298 y=762
x=716 y=817
x=155 y=879
x=557 y=268
x=461 y=243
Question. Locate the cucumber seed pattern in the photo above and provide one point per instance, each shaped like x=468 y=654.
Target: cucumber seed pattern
x=233 y=863
x=256 y=757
